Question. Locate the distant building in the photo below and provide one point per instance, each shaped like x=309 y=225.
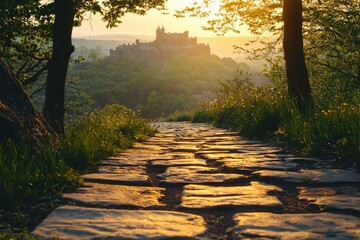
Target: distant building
x=165 y=46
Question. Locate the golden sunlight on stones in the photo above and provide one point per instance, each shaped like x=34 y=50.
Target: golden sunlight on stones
x=336 y=197
x=196 y=174
x=180 y=162
x=69 y=222
x=133 y=179
x=295 y=226
x=117 y=195
x=256 y=164
x=318 y=176
x=255 y=195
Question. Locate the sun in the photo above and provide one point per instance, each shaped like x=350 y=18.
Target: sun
x=213 y=6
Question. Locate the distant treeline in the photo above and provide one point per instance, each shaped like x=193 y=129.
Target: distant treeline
x=154 y=88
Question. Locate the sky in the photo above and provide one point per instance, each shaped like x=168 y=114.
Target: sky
x=146 y=25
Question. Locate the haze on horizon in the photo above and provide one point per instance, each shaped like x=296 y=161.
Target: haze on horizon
x=145 y=25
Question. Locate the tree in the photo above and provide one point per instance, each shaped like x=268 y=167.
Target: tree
x=69 y=13
x=54 y=108
x=25 y=38
x=330 y=30
x=264 y=17
x=57 y=17
x=296 y=71
x=332 y=47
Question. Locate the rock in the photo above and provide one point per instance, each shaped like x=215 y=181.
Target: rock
x=220 y=138
x=180 y=155
x=121 y=161
x=256 y=165
x=140 y=146
x=133 y=179
x=336 y=197
x=256 y=188
x=318 y=176
x=123 y=170
x=234 y=142
x=237 y=156
x=18 y=117
x=255 y=195
x=180 y=162
x=262 y=225
x=230 y=148
x=185 y=148
x=70 y=222
x=196 y=174
x=117 y=195
x=145 y=156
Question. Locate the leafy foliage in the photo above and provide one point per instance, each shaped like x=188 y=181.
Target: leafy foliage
x=330 y=30
x=156 y=89
x=25 y=38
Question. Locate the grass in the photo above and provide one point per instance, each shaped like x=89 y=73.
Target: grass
x=100 y=134
x=27 y=179
x=330 y=130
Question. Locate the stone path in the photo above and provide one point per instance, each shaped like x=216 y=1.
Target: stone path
x=193 y=181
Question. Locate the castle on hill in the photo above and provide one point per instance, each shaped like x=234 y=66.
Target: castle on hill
x=165 y=46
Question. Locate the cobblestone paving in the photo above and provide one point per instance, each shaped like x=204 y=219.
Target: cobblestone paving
x=193 y=181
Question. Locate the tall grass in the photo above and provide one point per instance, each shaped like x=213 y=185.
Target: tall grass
x=331 y=129
x=100 y=134
x=332 y=132
x=25 y=176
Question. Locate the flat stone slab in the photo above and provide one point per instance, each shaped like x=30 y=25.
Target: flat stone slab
x=319 y=176
x=237 y=156
x=256 y=165
x=210 y=138
x=234 y=142
x=70 y=222
x=133 y=179
x=201 y=196
x=117 y=195
x=253 y=188
x=127 y=170
x=195 y=174
x=141 y=156
x=180 y=162
x=185 y=148
x=233 y=148
x=179 y=155
x=153 y=147
x=295 y=226
x=338 y=197
x=120 y=161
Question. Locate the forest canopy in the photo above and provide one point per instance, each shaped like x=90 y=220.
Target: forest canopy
x=156 y=88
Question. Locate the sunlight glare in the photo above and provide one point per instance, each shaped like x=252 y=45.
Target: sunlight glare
x=213 y=6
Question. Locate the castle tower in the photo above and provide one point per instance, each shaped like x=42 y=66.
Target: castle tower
x=160 y=33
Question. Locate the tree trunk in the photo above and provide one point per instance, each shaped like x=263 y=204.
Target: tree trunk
x=18 y=117
x=296 y=71
x=54 y=108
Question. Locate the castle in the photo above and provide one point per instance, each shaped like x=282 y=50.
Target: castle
x=165 y=46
